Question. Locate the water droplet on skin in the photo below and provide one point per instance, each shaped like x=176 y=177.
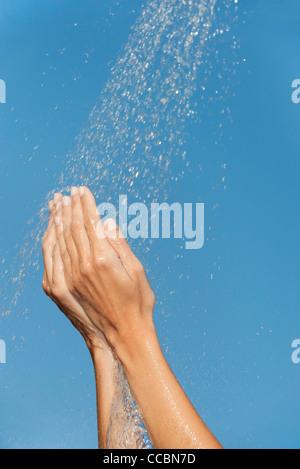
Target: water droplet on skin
x=135 y=131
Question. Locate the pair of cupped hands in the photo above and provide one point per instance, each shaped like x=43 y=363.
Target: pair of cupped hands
x=92 y=274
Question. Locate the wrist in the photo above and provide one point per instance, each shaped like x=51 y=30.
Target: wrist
x=100 y=353
x=103 y=359
x=97 y=344
x=134 y=343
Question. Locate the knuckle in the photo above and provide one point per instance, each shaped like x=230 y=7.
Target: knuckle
x=139 y=268
x=58 y=292
x=68 y=236
x=75 y=227
x=46 y=289
x=86 y=268
x=103 y=261
x=65 y=255
x=45 y=247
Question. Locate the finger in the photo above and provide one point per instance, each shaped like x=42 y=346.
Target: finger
x=66 y=221
x=101 y=250
x=51 y=215
x=52 y=210
x=61 y=240
x=48 y=246
x=78 y=230
x=100 y=247
x=46 y=284
x=50 y=241
x=118 y=242
x=45 y=277
x=58 y=279
x=92 y=221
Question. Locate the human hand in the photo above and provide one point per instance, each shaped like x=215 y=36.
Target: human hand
x=56 y=262
x=94 y=278
x=103 y=274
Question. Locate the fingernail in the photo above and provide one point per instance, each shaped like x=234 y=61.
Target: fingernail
x=74 y=190
x=81 y=191
x=66 y=201
x=56 y=198
x=110 y=225
x=51 y=205
x=57 y=206
x=57 y=221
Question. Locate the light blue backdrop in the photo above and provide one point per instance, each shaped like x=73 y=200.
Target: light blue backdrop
x=235 y=310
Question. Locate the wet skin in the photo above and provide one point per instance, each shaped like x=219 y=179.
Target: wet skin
x=99 y=284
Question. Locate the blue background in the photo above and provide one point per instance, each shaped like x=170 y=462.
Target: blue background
x=227 y=314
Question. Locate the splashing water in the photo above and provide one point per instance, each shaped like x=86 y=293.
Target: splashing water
x=135 y=135
x=125 y=429
x=134 y=141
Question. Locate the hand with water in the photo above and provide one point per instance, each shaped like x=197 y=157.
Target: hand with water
x=56 y=284
x=104 y=276
x=57 y=263
x=111 y=286
x=58 y=250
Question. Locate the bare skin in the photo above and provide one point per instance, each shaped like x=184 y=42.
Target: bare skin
x=98 y=283
x=57 y=264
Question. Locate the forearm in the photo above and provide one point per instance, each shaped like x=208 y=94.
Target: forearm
x=105 y=371
x=103 y=288
x=170 y=419
x=119 y=421
x=126 y=429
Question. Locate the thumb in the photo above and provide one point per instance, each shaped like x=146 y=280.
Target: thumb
x=118 y=242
